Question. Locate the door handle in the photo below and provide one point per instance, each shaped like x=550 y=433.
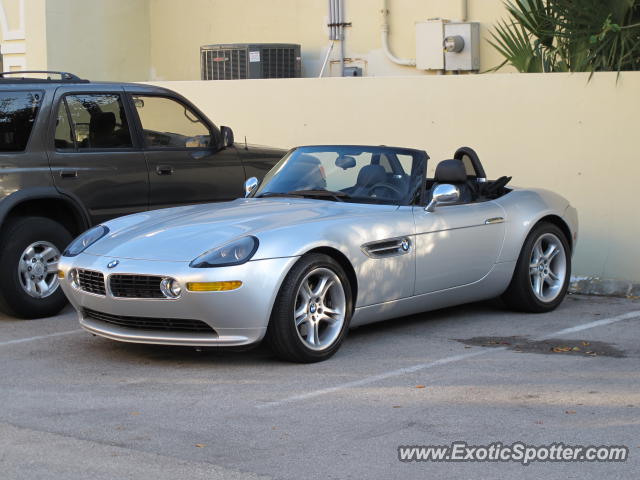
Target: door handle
x=68 y=173
x=199 y=155
x=164 y=169
x=491 y=221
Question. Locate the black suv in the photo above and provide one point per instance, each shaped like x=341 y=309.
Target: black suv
x=75 y=153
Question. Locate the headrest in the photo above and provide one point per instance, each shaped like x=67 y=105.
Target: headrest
x=370 y=175
x=102 y=122
x=450 y=171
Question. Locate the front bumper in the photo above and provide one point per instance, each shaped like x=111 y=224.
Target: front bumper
x=237 y=317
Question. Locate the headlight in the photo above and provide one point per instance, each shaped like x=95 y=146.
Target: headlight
x=234 y=253
x=85 y=240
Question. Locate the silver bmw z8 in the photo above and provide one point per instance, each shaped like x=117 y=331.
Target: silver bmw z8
x=333 y=237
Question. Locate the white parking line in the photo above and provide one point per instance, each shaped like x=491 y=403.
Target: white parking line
x=377 y=378
x=442 y=361
x=596 y=323
x=39 y=337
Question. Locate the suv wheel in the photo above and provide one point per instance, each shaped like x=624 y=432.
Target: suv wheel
x=29 y=252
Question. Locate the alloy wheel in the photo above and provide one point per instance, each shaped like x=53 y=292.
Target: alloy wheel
x=320 y=309
x=547 y=267
x=38 y=269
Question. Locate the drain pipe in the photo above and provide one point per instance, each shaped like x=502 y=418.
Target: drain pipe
x=326 y=59
x=409 y=62
x=464 y=9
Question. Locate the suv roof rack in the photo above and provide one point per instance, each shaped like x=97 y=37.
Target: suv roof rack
x=64 y=76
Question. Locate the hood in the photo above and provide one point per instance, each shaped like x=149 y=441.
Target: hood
x=181 y=234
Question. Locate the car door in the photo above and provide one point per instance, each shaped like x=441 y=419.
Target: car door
x=94 y=155
x=457 y=244
x=186 y=162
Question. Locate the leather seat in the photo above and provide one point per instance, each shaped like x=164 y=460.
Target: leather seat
x=368 y=176
x=453 y=173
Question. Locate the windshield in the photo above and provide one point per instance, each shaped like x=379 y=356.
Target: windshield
x=348 y=173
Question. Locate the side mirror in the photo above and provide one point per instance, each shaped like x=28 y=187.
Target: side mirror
x=250 y=185
x=227 y=137
x=443 y=194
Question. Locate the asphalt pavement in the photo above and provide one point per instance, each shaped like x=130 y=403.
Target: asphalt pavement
x=74 y=406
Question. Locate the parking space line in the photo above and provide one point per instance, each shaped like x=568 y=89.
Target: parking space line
x=596 y=323
x=437 y=363
x=39 y=337
x=377 y=378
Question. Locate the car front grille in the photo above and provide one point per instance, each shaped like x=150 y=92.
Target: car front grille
x=91 y=282
x=135 y=286
x=147 y=323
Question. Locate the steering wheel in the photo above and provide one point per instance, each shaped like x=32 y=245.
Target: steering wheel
x=386 y=185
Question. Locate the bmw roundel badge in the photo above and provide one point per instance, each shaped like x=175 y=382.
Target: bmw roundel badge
x=113 y=263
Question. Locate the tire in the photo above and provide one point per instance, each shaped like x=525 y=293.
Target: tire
x=538 y=284
x=15 y=239
x=294 y=337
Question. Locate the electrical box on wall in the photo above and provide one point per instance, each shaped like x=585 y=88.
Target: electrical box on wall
x=462 y=46
x=429 y=38
x=444 y=45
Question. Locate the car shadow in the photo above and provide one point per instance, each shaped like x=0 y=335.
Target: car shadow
x=261 y=354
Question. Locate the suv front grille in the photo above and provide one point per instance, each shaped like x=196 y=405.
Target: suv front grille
x=146 y=323
x=91 y=282
x=135 y=286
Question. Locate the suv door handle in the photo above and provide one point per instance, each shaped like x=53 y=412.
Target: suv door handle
x=64 y=173
x=199 y=155
x=164 y=169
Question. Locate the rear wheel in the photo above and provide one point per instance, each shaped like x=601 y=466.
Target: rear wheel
x=30 y=249
x=541 y=277
x=311 y=314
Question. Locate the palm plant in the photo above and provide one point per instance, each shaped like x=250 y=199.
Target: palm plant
x=570 y=35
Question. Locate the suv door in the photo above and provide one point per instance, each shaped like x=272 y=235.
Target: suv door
x=96 y=156
x=186 y=162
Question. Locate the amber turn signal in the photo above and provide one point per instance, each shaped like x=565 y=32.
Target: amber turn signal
x=213 y=286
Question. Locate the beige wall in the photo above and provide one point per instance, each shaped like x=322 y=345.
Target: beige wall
x=178 y=29
x=556 y=131
x=160 y=39
x=98 y=39
x=23 y=34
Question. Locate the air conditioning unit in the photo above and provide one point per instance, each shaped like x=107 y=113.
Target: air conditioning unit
x=250 y=60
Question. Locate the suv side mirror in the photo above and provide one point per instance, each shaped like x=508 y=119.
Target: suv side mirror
x=227 y=137
x=443 y=194
x=250 y=185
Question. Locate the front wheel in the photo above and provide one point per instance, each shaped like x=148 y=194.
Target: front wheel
x=311 y=314
x=541 y=277
x=29 y=252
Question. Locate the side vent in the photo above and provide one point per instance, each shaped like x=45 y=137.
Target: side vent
x=387 y=248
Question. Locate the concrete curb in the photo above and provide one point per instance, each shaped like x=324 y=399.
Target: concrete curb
x=610 y=287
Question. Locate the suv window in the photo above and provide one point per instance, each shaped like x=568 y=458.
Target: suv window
x=92 y=121
x=18 y=112
x=169 y=123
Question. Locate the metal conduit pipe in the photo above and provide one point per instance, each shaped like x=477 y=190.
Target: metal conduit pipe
x=341 y=22
x=336 y=32
x=410 y=62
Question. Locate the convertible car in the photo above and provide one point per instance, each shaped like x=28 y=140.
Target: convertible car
x=334 y=237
